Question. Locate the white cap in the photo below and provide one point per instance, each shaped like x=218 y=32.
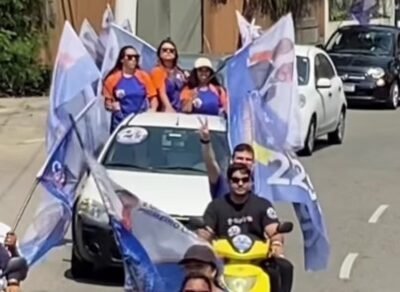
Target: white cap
x=203 y=62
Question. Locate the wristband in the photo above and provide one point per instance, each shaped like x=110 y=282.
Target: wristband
x=204 y=141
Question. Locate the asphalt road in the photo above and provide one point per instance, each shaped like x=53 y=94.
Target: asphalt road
x=357 y=184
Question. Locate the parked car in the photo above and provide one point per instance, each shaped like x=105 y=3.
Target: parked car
x=368 y=61
x=322 y=101
x=158 y=157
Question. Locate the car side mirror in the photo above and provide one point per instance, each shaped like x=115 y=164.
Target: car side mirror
x=284 y=227
x=324 y=83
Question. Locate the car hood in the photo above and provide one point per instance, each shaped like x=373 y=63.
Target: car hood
x=346 y=62
x=180 y=195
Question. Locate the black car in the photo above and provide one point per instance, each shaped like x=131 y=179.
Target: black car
x=367 y=59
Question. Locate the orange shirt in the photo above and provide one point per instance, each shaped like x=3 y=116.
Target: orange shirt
x=112 y=81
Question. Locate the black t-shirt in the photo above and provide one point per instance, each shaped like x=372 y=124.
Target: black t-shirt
x=228 y=219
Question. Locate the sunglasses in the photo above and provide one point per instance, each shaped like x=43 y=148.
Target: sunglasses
x=131 y=57
x=168 y=50
x=237 y=180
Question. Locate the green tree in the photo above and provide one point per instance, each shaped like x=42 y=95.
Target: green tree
x=275 y=9
x=22 y=34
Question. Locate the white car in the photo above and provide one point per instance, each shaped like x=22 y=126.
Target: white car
x=322 y=98
x=158 y=157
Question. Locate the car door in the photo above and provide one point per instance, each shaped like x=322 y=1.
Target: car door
x=323 y=93
x=330 y=95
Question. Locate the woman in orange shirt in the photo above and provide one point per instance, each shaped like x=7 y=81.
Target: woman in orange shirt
x=203 y=94
x=128 y=89
x=168 y=78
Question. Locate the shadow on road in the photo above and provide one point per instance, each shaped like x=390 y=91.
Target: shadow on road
x=354 y=105
x=107 y=277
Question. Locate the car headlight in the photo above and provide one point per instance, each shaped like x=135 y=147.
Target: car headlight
x=93 y=209
x=302 y=100
x=240 y=284
x=376 y=72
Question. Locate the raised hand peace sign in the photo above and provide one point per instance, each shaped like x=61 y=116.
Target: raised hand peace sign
x=204 y=131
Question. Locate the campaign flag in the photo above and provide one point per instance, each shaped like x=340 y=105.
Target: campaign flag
x=90 y=40
x=262 y=83
x=60 y=177
x=107 y=20
x=126 y=24
x=151 y=242
x=363 y=10
x=74 y=70
x=248 y=31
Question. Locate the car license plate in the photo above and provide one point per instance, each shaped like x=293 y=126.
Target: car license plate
x=349 y=87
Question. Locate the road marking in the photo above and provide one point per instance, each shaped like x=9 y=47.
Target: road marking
x=347 y=265
x=32 y=141
x=377 y=214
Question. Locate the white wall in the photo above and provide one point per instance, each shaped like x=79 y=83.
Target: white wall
x=126 y=9
x=331 y=26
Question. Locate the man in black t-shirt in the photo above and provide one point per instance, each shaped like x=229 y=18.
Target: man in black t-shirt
x=242 y=212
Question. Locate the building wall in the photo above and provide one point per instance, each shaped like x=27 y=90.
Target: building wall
x=74 y=11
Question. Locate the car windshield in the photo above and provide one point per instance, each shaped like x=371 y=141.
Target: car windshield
x=369 y=42
x=163 y=150
x=303 y=70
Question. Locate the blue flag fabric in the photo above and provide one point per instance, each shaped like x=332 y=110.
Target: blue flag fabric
x=259 y=76
x=73 y=71
x=362 y=10
x=151 y=242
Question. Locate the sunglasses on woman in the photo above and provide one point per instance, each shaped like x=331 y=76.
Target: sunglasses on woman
x=168 y=50
x=132 y=56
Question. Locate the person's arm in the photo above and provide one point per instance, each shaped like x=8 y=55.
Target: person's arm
x=213 y=169
x=158 y=77
x=271 y=222
x=110 y=102
x=210 y=218
x=187 y=100
x=151 y=91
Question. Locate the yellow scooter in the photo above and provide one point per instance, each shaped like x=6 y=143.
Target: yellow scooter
x=243 y=257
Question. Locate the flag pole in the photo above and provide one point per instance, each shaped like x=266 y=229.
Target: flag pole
x=25 y=205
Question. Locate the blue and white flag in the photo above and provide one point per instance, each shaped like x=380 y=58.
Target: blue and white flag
x=60 y=177
x=262 y=84
x=73 y=71
x=108 y=19
x=151 y=242
x=363 y=10
x=90 y=40
x=126 y=24
x=248 y=31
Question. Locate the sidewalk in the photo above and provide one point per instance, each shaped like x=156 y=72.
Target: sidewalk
x=18 y=105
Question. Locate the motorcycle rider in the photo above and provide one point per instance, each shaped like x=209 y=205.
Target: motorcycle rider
x=242 y=153
x=201 y=259
x=10 y=257
x=242 y=212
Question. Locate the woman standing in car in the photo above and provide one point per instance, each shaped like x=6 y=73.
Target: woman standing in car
x=127 y=88
x=168 y=78
x=203 y=93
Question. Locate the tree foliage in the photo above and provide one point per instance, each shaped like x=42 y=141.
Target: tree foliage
x=21 y=38
x=275 y=9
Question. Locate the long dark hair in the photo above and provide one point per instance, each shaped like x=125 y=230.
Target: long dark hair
x=193 y=80
x=118 y=63
x=168 y=41
x=196 y=276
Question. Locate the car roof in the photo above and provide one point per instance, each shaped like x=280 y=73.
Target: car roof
x=176 y=120
x=370 y=26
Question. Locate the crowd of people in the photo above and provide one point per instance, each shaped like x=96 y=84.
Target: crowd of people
x=167 y=88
